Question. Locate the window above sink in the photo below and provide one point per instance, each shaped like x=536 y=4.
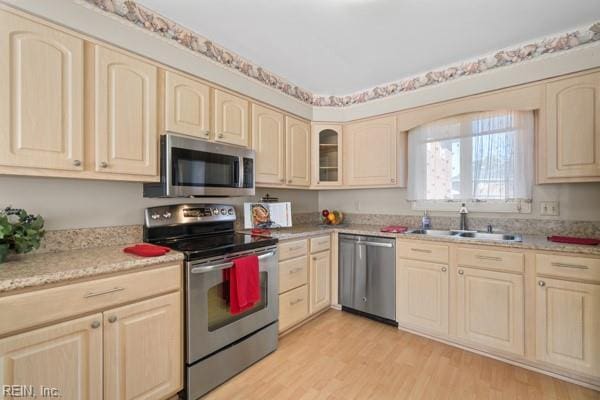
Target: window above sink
x=483 y=159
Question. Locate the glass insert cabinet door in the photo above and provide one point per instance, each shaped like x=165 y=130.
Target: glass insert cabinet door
x=327 y=152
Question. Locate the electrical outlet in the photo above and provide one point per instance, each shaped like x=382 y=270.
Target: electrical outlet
x=549 y=208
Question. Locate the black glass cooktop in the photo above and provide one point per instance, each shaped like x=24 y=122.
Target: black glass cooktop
x=216 y=244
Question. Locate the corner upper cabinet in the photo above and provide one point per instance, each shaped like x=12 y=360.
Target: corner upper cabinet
x=327 y=155
x=231 y=119
x=124 y=107
x=41 y=96
x=297 y=135
x=370 y=153
x=268 y=141
x=186 y=105
x=570 y=144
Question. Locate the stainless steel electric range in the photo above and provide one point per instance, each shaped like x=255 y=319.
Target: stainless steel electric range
x=218 y=344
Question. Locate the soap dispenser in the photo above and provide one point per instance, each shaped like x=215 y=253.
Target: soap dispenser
x=426 y=221
x=463 y=217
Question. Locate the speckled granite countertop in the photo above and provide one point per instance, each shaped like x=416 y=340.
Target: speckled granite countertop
x=33 y=270
x=536 y=242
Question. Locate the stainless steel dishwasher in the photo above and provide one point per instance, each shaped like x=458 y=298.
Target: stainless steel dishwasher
x=368 y=276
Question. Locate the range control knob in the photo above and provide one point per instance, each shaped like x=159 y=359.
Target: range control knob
x=167 y=215
x=230 y=212
x=155 y=216
x=215 y=211
x=223 y=211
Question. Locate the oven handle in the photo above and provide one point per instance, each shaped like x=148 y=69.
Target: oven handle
x=217 y=267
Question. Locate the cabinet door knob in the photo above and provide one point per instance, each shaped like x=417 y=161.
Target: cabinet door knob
x=112 y=319
x=461 y=272
x=444 y=269
x=392 y=180
x=77 y=163
x=221 y=136
x=289 y=181
x=95 y=324
x=103 y=164
x=282 y=180
x=542 y=283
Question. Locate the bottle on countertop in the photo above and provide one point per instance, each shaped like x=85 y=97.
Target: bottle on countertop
x=426 y=221
x=463 y=217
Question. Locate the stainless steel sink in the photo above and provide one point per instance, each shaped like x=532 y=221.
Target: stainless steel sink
x=433 y=232
x=468 y=235
x=490 y=236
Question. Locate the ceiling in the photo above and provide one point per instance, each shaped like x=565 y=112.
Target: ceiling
x=339 y=47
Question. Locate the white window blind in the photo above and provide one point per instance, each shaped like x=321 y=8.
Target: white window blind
x=484 y=156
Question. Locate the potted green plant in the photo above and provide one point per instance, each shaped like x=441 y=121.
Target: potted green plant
x=19 y=231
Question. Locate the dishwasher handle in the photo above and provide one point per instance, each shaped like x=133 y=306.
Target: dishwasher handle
x=370 y=243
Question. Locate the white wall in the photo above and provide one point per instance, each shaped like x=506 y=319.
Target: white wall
x=74 y=203
x=578 y=202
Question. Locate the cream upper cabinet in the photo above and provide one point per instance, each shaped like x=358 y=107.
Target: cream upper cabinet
x=124 y=114
x=186 y=105
x=370 y=152
x=326 y=155
x=297 y=135
x=320 y=281
x=41 y=96
x=568 y=325
x=268 y=140
x=231 y=119
x=65 y=356
x=490 y=309
x=142 y=349
x=570 y=149
x=422 y=295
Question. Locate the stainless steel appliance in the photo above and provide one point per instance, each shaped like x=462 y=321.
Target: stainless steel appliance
x=191 y=167
x=218 y=344
x=368 y=276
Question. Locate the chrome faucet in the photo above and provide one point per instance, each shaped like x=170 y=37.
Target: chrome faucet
x=463 y=217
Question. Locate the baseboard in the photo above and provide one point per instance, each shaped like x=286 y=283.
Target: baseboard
x=503 y=359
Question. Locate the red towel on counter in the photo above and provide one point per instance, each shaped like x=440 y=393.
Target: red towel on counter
x=147 y=250
x=394 y=229
x=574 y=240
x=244 y=284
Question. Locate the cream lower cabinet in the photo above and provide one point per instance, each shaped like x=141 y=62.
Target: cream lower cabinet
x=41 y=96
x=320 y=281
x=268 y=141
x=370 y=153
x=570 y=145
x=116 y=352
x=422 y=295
x=568 y=325
x=124 y=114
x=304 y=284
x=186 y=105
x=142 y=346
x=490 y=308
x=65 y=356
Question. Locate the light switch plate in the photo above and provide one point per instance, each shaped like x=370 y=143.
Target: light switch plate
x=549 y=208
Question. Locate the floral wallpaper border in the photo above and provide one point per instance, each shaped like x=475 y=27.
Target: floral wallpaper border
x=168 y=29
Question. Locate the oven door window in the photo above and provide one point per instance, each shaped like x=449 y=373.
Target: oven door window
x=199 y=168
x=219 y=315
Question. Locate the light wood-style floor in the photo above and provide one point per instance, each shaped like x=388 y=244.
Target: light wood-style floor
x=342 y=356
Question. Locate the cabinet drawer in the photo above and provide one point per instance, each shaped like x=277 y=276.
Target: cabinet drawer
x=293 y=307
x=568 y=267
x=293 y=273
x=493 y=259
x=423 y=252
x=320 y=244
x=297 y=248
x=47 y=305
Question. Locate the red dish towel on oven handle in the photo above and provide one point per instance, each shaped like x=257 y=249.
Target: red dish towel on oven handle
x=244 y=284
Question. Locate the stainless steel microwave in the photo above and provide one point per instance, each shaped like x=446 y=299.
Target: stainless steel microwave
x=191 y=167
